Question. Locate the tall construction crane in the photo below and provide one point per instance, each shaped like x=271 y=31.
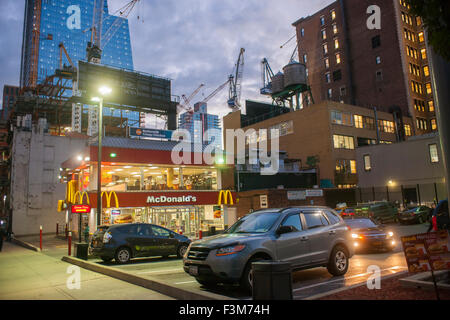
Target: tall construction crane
x=266 y=75
x=212 y=94
x=99 y=40
x=187 y=100
x=235 y=81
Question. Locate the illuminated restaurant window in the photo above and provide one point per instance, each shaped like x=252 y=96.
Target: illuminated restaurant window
x=343 y=142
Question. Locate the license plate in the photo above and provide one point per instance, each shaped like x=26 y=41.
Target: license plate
x=193 y=270
x=377 y=243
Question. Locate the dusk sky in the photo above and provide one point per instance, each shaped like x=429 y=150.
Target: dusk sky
x=190 y=41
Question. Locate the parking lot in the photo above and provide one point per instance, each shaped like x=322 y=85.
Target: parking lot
x=306 y=283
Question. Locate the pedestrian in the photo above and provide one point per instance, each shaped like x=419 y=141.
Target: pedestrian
x=441 y=217
x=86 y=233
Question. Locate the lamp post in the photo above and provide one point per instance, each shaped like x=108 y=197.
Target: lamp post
x=103 y=91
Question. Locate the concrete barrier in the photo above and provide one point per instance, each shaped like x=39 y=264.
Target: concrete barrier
x=25 y=244
x=158 y=286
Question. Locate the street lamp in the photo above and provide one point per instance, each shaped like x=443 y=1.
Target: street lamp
x=103 y=92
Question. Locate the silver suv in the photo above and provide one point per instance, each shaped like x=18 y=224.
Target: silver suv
x=307 y=237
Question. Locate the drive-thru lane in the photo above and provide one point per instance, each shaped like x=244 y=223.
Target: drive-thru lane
x=306 y=283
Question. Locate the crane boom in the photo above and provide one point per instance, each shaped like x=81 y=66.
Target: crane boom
x=216 y=91
x=187 y=100
x=266 y=75
x=235 y=81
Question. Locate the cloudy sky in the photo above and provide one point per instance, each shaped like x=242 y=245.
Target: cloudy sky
x=190 y=41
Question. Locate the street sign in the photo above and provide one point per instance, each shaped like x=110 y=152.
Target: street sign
x=151 y=133
x=77 y=209
x=296 y=195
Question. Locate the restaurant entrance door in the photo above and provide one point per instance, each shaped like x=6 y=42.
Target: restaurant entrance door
x=185 y=220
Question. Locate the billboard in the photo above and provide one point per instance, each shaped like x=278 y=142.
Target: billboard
x=129 y=88
x=150 y=133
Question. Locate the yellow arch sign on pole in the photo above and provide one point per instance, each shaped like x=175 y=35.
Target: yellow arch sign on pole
x=81 y=195
x=108 y=198
x=227 y=196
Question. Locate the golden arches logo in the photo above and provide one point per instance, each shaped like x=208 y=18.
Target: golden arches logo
x=228 y=198
x=81 y=195
x=108 y=198
x=71 y=191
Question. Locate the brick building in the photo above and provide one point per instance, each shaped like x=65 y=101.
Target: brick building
x=385 y=68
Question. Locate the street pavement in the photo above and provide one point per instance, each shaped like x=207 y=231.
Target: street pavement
x=306 y=283
x=29 y=275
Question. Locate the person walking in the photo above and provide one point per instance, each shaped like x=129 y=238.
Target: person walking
x=2 y=234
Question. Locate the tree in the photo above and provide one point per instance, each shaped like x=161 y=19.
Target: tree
x=435 y=15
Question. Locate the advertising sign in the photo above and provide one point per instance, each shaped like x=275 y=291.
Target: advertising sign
x=77 y=209
x=314 y=193
x=263 y=201
x=427 y=251
x=150 y=133
x=296 y=195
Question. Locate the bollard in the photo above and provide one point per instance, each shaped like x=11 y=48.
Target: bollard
x=57 y=227
x=272 y=280
x=40 y=238
x=200 y=234
x=70 y=243
x=66 y=230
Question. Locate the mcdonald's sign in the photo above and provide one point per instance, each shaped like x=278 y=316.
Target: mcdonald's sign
x=81 y=195
x=81 y=208
x=71 y=191
x=108 y=198
x=228 y=198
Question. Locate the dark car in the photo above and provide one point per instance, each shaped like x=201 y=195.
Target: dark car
x=126 y=241
x=347 y=212
x=418 y=214
x=366 y=234
x=381 y=212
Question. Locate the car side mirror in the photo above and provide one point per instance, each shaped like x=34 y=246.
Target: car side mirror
x=285 y=229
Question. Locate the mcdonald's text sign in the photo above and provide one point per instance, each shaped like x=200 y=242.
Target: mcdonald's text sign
x=81 y=209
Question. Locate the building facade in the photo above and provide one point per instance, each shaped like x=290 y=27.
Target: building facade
x=386 y=68
x=10 y=94
x=183 y=198
x=198 y=122
x=47 y=23
x=324 y=136
x=412 y=171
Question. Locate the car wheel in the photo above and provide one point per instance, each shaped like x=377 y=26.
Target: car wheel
x=181 y=251
x=247 y=277
x=123 y=255
x=338 y=264
x=105 y=259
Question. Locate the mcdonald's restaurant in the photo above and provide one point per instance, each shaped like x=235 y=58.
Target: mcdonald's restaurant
x=184 y=198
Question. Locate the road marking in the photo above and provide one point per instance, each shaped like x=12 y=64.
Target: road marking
x=185 y=282
x=347 y=278
x=159 y=271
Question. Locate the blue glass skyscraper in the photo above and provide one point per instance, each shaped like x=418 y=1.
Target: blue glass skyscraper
x=68 y=22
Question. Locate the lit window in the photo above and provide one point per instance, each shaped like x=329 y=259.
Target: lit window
x=428 y=86
x=324 y=34
x=378 y=60
x=327 y=63
x=426 y=71
x=330 y=93
x=338 y=58
x=423 y=53
x=327 y=77
x=322 y=21
x=336 y=43
x=434 y=156
x=421 y=37
x=433 y=124
x=325 y=48
x=302 y=32
x=353 y=166
x=431 y=106
x=408 y=132
x=358 y=121
x=367 y=164
x=305 y=58
x=333 y=14
x=335 y=29
x=343 y=142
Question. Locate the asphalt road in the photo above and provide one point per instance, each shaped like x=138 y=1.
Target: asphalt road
x=306 y=283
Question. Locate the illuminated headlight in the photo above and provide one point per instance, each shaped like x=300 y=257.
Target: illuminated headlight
x=230 y=250
x=390 y=234
x=354 y=236
x=107 y=237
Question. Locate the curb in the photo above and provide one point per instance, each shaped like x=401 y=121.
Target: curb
x=24 y=244
x=423 y=280
x=328 y=293
x=158 y=286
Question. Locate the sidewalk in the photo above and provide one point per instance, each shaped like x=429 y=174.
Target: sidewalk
x=28 y=275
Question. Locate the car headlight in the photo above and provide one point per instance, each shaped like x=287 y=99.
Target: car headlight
x=357 y=236
x=226 y=251
x=390 y=234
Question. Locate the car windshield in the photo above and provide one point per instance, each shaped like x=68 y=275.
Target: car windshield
x=361 y=223
x=255 y=223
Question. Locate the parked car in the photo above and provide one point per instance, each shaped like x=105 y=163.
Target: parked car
x=381 y=212
x=307 y=237
x=419 y=214
x=366 y=234
x=123 y=242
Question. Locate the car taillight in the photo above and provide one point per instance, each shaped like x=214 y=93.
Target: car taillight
x=434 y=221
x=107 y=237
